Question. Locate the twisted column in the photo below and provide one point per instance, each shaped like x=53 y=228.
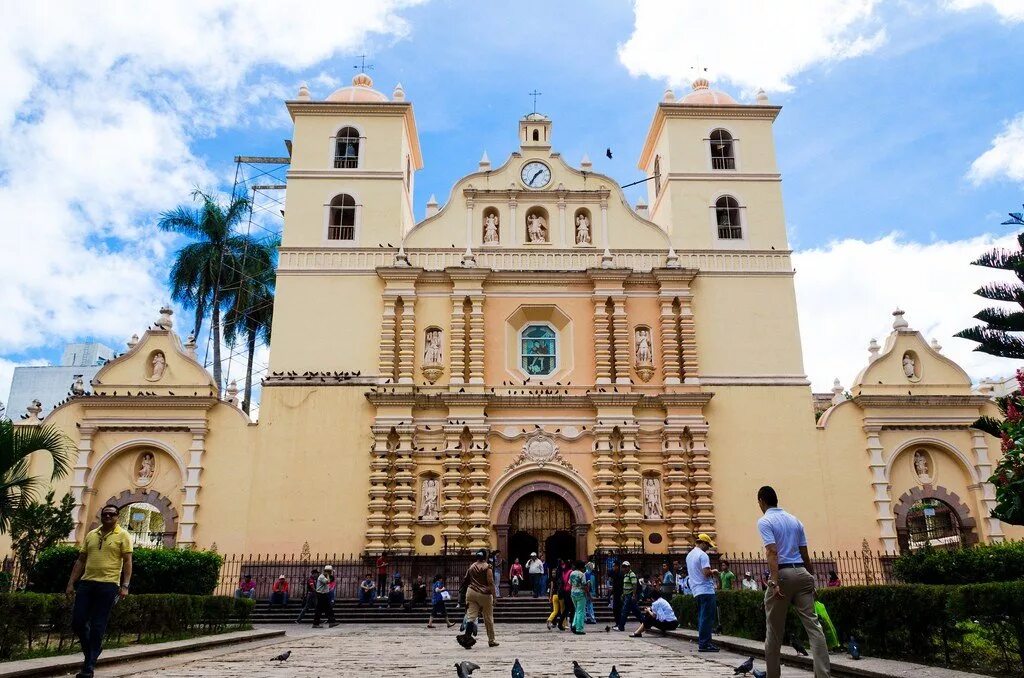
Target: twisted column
x=605 y=519
x=677 y=492
x=703 y=501
x=476 y=340
x=631 y=492
x=404 y=503
x=407 y=341
x=451 y=484
x=376 y=533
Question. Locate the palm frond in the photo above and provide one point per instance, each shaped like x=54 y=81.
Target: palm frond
x=1002 y=292
x=988 y=425
x=994 y=342
x=1001 y=319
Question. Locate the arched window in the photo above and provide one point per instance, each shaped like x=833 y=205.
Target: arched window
x=723 y=156
x=727 y=216
x=341 y=224
x=538 y=350
x=536 y=135
x=346 y=148
x=144 y=524
x=933 y=523
x=657 y=176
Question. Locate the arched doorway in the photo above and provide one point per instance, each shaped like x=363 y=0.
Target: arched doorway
x=541 y=519
x=933 y=523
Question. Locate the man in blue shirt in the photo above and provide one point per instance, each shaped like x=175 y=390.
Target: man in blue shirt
x=789 y=583
x=699 y=574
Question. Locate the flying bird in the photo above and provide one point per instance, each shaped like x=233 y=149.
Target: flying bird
x=608 y=152
x=282 y=657
x=744 y=668
x=517 y=670
x=799 y=647
x=578 y=671
x=853 y=648
x=465 y=669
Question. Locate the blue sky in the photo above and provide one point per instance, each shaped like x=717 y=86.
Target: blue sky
x=900 y=141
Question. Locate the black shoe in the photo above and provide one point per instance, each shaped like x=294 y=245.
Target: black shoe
x=331 y=625
x=636 y=635
x=709 y=648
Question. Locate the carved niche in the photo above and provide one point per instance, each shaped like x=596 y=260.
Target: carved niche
x=433 y=353
x=145 y=468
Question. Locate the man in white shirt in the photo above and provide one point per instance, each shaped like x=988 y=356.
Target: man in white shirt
x=699 y=574
x=789 y=583
x=749 y=583
x=535 y=568
x=659 y=615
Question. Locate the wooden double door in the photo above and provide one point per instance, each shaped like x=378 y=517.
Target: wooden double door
x=542 y=522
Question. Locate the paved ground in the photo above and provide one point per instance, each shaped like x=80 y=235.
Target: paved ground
x=417 y=652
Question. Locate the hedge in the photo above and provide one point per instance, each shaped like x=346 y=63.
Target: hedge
x=977 y=627
x=976 y=565
x=29 y=619
x=182 y=571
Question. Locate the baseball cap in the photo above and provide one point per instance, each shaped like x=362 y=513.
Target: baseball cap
x=706 y=539
x=281 y=577
x=533 y=554
x=625 y=562
x=329 y=567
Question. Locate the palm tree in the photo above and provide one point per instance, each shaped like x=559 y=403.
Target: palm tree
x=203 y=270
x=17 y=443
x=252 y=307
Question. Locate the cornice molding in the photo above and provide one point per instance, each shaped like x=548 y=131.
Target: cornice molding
x=921 y=400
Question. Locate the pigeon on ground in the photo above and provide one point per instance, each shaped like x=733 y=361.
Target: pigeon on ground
x=853 y=648
x=517 y=670
x=799 y=647
x=465 y=669
x=614 y=673
x=744 y=668
x=578 y=671
x=282 y=657
x=607 y=628
x=760 y=674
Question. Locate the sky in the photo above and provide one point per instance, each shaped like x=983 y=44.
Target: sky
x=901 y=139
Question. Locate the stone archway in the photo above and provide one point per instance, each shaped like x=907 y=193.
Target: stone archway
x=162 y=503
x=577 y=528
x=902 y=510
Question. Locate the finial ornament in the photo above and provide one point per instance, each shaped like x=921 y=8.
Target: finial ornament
x=762 y=97
x=669 y=96
x=837 y=392
x=936 y=346
x=232 y=393
x=468 y=258
x=401 y=258
x=303 y=94
x=190 y=346
x=899 y=322
x=873 y=349
x=672 y=261
x=133 y=341
x=585 y=163
x=485 y=162
x=164 y=322
x=398 y=94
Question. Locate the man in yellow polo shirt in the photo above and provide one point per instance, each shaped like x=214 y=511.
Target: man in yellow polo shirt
x=99 y=578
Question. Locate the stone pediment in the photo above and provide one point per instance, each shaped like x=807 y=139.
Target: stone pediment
x=539 y=450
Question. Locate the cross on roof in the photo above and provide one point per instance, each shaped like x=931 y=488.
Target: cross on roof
x=535 y=94
x=363 y=66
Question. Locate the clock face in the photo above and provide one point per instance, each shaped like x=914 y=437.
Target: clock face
x=535 y=174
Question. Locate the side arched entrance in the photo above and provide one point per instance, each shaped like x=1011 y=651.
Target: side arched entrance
x=545 y=518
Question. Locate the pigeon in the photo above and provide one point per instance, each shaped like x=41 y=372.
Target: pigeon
x=853 y=648
x=614 y=673
x=760 y=674
x=607 y=628
x=578 y=671
x=517 y=670
x=608 y=152
x=744 y=668
x=282 y=657
x=465 y=669
x=799 y=647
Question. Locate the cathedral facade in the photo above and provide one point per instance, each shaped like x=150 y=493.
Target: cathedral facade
x=536 y=365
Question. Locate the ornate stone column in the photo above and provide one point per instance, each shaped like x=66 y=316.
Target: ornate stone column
x=880 y=486
x=620 y=341
x=387 y=368
x=79 y=478
x=478 y=489
x=605 y=520
x=190 y=502
x=398 y=341
x=703 y=500
x=983 y=467
x=688 y=338
x=561 y=220
x=631 y=493
x=476 y=340
x=678 y=330
x=677 y=491
x=451 y=484
x=377 y=518
x=458 y=344
x=670 y=352
x=404 y=502
x=602 y=341
x=407 y=341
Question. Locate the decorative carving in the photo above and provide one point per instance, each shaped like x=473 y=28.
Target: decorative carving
x=540 y=449
x=133 y=341
x=34 y=410
x=923 y=466
x=433 y=354
x=145 y=467
x=644 y=353
x=536 y=228
x=231 y=394
x=78 y=386
x=305 y=555
x=652 y=499
x=909 y=368
x=583 y=236
x=491 y=234
x=157 y=365
x=164 y=322
x=429 y=500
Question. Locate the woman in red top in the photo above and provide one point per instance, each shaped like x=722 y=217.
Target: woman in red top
x=515 y=577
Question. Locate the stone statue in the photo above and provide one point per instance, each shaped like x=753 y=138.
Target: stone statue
x=78 y=387
x=909 y=369
x=432 y=352
x=147 y=465
x=428 y=500
x=652 y=499
x=491 y=229
x=158 y=366
x=921 y=465
x=582 y=229
x=643 y=346
x=536 y=228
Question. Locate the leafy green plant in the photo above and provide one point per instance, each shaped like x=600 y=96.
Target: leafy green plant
x=184 y=571
x=979 y=564
x=39 y=525
x=17 y=443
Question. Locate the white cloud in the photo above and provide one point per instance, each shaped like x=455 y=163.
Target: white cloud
x=1005 y=158
x=99 y=110
x=847 y=290
x=1009 y=10
x=748 y=42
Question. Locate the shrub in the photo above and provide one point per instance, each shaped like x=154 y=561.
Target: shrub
x=987 y=563
x=183 y=571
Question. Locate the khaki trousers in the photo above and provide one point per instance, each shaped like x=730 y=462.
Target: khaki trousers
x=797 y=586
x=480 y=604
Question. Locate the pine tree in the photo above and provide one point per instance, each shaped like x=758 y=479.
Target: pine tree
x=994 y=336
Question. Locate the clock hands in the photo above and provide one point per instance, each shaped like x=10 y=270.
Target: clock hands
x=534 y=177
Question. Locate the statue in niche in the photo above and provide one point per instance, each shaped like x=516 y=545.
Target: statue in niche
x=428 y=500
x=909 y=368
x=147 y=466
x=157 y=366
x=652 y=499
x=644 y=355
x=491 y=229
x=432 y=352
x=582 y=229
x=536 y=228
x=921 y=466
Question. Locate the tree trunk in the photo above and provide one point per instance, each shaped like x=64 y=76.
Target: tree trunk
x=200 y=312
x=215 y=331
x=248 y=371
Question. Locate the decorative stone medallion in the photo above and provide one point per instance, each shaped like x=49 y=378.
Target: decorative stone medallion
x=539 y=447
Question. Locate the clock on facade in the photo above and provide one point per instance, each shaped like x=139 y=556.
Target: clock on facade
x=535 y=174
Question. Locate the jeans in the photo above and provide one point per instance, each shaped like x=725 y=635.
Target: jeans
x=323 y=606
x=307 y=604
x=591 y=618
x=628 y=605
x=579 y=603
x=497 y=583
x=650 y=622
x=707 y=611
x=543 y=583
x=537 y=582
x=279 y=598
x=365 y=596
x=250 y=594
x=93 y=602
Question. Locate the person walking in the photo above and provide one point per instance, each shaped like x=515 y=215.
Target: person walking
x=535 y=568
x=515 y=578
x=699 y=573
x=630 y=591
x=592 y=591
x=545 y=573
x=438 y=608
x=615 y=586
x=497 y=563
x=580 y=592
x=309 y=601
x=323 y=600
x=99 y=578
x=565 y=593
x=789 y=583
x=480 y=595
x=557 y=616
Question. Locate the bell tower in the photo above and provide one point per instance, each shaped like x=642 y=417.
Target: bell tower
x=535 y=131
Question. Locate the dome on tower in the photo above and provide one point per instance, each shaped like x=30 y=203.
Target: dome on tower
x=361 y=91
x=703 y=95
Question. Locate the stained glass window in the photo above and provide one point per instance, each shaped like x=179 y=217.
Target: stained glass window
x=537 y=344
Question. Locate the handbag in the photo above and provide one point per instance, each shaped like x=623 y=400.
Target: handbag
x=445 y=595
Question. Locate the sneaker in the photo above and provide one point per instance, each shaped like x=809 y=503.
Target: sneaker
x=709 y=648
x=616 y=628
x=332 y=625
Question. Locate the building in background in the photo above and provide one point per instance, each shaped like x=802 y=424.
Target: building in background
x=50 y=384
